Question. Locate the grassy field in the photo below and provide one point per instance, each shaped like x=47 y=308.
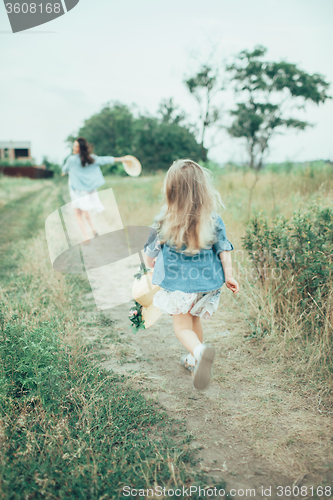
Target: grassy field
x=69 y=428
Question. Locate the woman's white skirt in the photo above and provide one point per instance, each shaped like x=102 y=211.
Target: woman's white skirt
x=86 y=200
x=198 y=304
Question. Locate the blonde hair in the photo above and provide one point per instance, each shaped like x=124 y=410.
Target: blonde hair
x=190 y=197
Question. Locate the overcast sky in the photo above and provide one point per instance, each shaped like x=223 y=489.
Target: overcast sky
x=58 y=74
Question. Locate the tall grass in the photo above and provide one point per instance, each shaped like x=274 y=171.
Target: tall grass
x=293 y=267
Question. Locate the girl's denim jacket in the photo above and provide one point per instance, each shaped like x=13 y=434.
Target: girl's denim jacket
x=202 y=272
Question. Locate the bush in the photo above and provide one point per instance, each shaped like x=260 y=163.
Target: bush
x=293 y=261
x=302 y=247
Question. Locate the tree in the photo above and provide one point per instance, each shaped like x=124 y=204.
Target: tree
x=204 y=86
x=159 y=143
x=170 y=112
x=155 y=140
x=110 y=131
x=269 y=89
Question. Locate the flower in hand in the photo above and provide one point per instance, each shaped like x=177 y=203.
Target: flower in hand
x=232 y=284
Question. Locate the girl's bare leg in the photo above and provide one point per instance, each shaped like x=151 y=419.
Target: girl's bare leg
x=197 y=327
x=80 y=221
x=88 y=219
x=183 y=326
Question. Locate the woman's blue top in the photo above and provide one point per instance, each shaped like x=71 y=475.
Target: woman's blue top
x=89 y=177
x=174 y=270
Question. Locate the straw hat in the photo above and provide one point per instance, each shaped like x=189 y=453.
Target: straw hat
x=132 y=165
x=143 y=292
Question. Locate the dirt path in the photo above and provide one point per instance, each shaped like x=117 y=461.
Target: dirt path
x=255 y=426
x=235 y=441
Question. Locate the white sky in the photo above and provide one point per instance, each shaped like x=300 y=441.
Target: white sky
x=58 y=74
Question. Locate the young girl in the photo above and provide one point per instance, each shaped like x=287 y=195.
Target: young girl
x=193 y=260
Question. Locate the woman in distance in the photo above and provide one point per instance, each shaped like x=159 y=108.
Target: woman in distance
x=85 y=176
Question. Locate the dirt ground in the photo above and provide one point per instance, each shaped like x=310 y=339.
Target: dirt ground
x=257 y=426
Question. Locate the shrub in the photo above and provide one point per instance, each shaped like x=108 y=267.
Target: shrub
x=301 y=247
x=16 y=163
x=293 y=261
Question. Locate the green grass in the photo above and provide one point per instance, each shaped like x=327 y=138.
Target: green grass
x=68 y=428
x=72 y=429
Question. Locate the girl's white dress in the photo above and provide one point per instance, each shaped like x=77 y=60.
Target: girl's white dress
x=203 y=305
x=86 y=200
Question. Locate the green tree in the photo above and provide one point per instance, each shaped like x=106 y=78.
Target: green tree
x=155 y=140
x=158 y=143
x=269 y=89
x=110 y=131
x=204 y=86
x=170 y=112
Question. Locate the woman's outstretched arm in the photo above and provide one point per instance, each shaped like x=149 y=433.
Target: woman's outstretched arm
x=108 y=160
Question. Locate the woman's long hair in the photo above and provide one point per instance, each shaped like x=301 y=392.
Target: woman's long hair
x=85 y=151
x=190 y=197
